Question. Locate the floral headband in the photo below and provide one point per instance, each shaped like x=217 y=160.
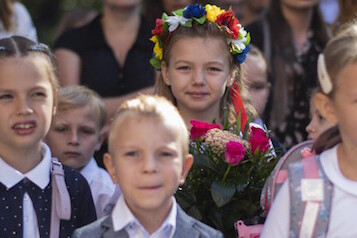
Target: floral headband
x=238 y=41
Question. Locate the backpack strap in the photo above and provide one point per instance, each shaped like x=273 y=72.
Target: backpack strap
x=61 y=203
x=310 y=199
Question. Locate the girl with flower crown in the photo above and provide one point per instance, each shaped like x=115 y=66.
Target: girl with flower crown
x=200 y=50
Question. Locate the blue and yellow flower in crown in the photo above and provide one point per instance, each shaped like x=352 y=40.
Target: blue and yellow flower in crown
x=238 y=39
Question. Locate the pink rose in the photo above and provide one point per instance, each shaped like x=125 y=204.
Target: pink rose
x=200 y=128
x=259 y=140
x=235 y=152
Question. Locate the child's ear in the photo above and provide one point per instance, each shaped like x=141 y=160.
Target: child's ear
x=325 y=107
x=109 y=165
x=187 y=164
x=165 y=73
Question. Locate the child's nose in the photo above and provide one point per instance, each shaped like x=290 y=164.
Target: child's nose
x=150 y=164
x=74 y=138
x=198 y=77
x=24 y=107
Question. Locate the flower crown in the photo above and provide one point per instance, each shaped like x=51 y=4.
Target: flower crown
x=238 y=41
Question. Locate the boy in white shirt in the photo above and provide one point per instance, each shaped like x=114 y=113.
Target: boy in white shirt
x=148 y=157
x=74 y=136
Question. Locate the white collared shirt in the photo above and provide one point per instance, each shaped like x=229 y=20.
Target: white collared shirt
x=40 y=175
x=123 y=218
x=101 y=185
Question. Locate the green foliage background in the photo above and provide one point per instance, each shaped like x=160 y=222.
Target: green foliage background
x=47 y=14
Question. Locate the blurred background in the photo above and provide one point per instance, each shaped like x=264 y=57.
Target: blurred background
x=47 y=14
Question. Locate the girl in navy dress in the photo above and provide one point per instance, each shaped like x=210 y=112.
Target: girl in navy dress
x=38 y=197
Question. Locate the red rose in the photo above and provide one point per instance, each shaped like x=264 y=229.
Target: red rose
x=200 y=128
x=235 y=152
x=159 y=27
x=229 y=23
x=258 y=140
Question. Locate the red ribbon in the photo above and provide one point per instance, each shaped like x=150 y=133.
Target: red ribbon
x=238 y=105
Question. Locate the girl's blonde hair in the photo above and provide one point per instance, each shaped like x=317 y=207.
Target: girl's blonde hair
x=17 y=46
x=147 y=106
x=340 y=51
x=77 y=96
x=206 y=30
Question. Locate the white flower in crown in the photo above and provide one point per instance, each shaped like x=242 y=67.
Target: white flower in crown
x=242 y=31
x=241 y=42
x=174 y=22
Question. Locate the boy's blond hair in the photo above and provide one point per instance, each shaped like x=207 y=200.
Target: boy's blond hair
x=76 y=96
x=154 y=107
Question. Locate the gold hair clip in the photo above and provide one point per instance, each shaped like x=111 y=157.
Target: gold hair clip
x=324 y=78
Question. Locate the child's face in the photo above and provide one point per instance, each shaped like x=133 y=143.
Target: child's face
x=147 y=161
x=26 y=102
x=344 y=104
x=74 y=136
x=318 y=124
x=257 y=82
x=198 y=73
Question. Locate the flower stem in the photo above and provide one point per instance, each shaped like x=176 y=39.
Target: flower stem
x=227 y=171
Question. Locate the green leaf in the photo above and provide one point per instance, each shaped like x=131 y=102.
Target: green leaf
x=248 y=39
x=239 y=122
x=200 y=20
x=179 y=12
x=225 y=119
x=205 y=162
x=187 y=24
x=222 y=193
x=245 y=133
x=155 y=62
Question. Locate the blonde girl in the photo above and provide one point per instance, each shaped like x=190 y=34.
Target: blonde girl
x=38 y=198
x=200 y=50
x=337 y=164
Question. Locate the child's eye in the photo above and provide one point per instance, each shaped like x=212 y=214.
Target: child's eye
x=39 y=94
x=6 y=97
x=166 y=154
x=257 y=86
x=183 y=68
x=87 y=131
x=214 y=69
x=131 y=154
x=60 y=129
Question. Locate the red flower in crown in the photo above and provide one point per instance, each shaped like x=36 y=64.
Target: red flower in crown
x=159 y=27
x=235 y=152
x=200 y=128
x=229 y=23
x=258 y=140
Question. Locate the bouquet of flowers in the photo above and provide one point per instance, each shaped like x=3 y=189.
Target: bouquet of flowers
x=229 y=172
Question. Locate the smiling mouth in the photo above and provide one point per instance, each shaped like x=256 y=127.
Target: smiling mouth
x=197 y=94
